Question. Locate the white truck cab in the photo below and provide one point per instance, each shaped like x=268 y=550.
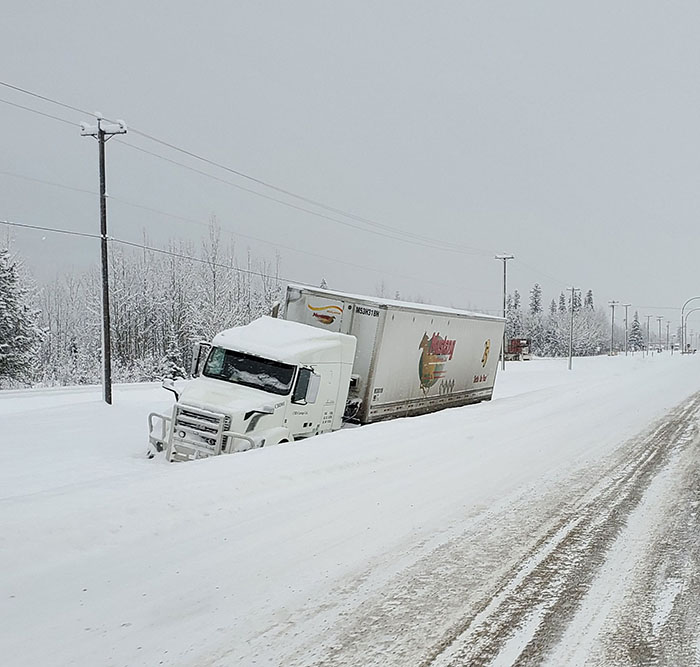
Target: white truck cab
x=269 y=382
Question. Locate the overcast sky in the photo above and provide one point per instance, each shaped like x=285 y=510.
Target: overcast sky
x=565 y=133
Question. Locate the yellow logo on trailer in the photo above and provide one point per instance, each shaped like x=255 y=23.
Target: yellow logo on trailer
x=487 y=349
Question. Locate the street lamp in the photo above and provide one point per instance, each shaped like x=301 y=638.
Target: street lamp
x=612 y=305
x=626 y=306
x=684 y=325
x=692 y=298
x=504 y=258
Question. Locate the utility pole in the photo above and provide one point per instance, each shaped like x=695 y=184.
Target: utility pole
x=103 y=132
x=668 y=335
x=571 y=326
x=659 y=319
x=626 y=306
x=612 y=305
x=648 y=333
x=504 y=258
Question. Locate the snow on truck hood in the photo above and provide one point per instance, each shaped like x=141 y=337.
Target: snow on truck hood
x=222 y=396
x=282 y=340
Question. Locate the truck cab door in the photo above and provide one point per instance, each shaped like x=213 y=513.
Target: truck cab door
x=304 y=417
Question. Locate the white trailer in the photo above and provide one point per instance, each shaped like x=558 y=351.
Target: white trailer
x=335 y=356
x=410 y=358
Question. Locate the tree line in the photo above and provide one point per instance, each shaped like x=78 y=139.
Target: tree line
x=160 y=305
x=549 y=328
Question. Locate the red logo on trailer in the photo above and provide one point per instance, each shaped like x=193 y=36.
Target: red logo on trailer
x=436 y=352
x=326 y=314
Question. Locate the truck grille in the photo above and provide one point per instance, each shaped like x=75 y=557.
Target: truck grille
x=196 y=433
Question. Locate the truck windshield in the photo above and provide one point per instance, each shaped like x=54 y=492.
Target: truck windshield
x=251 y=371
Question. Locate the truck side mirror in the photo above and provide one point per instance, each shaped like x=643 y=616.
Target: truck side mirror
x=170 y=386
x=199 y=354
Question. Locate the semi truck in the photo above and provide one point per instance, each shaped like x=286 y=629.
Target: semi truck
x=518 y=349
x=331 y=358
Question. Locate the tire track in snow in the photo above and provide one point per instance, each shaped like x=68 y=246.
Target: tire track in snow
x=525 y=618
x=659 y=621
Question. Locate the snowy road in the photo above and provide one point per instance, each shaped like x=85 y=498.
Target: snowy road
x=575 y=584
x=557 y=525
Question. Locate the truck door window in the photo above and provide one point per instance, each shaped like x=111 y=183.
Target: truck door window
x=299 y=395
x=306 y=390
x=314 y=386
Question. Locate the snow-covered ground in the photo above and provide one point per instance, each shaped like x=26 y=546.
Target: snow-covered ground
x=380 y=541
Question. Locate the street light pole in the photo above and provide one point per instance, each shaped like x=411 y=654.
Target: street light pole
x=626 y=306
x=683 y=341
x=103 y=132
x=571 y=326
x=684 y=325
x=504 y=258
x=612 y=325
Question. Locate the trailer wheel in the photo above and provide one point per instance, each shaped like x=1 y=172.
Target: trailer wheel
x=283 y=441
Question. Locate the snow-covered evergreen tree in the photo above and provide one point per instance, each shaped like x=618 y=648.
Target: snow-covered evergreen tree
x=517 y=315
x=576 y=301
x=562 y=302
x=20 y=333
x=636 y=337
x=588 y=300
x=534 y=322
x=514 y=316
x=171 y=365
x=536 y=299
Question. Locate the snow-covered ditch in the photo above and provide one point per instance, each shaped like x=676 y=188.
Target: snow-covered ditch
x=108 y=558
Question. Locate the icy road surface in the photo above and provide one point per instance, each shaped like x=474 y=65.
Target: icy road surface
x=556 y=525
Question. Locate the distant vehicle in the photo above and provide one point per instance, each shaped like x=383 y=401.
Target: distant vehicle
x=334 y=357
x=518 y=349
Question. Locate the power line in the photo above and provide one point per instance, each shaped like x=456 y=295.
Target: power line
x=233 y=234
x=143 y=246
x=46 y=99
x=195 y=259
x=69 y=232
x=657 y=307
x=275 y=244
x=401 y=234
x=39 y=113
x=51 y=183
x=308 y=200
x=393 y=232
x=289 y=193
